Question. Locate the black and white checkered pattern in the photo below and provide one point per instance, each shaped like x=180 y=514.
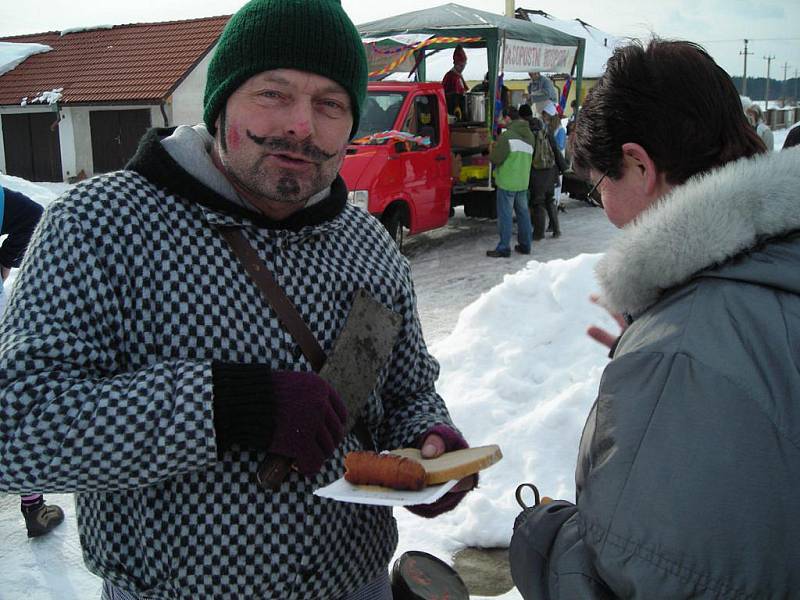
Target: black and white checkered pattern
x=126 y=296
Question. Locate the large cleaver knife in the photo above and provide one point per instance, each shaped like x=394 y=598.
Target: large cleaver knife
x=352 y=368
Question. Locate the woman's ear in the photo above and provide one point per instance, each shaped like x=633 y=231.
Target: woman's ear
x=643 y=170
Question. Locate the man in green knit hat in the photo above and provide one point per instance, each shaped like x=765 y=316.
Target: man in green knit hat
x=141 y=368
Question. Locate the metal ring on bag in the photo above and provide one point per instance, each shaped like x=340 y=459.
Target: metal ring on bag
x=518 y=494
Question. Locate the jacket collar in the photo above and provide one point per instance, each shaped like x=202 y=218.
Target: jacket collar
x=701 y=224
x=153 y=162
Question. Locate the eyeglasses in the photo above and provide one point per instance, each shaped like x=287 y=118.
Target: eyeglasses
x=596 y=198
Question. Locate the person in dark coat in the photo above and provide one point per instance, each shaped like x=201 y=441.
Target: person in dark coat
x=544 y=172
x=688 y=470
x=792 y=138
x=19 y=216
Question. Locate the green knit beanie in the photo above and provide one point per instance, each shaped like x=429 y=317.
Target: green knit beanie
x=308 y=35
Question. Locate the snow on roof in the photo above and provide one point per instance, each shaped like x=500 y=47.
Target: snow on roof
x=13 y=54
x=599 y=44
x=79 y=29
x=50 y=97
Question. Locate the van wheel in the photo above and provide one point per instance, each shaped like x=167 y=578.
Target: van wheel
x=393 y=222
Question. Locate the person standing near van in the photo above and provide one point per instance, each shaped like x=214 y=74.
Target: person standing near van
x=547 y=163
x=512 y=156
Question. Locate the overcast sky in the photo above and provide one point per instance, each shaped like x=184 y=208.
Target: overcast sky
x=720 y=25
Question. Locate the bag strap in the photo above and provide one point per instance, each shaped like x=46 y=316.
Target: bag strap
x=287 y=313
x=275 y=297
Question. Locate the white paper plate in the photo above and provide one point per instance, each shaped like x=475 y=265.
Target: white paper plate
x=344 y=491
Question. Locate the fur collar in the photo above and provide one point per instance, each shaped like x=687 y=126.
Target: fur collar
x=701 y=224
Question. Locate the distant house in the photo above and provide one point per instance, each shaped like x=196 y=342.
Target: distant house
x=81 y=108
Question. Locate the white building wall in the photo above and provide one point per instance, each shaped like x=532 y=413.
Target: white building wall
x=187 y=100
x=66 y=138
x=82 y=142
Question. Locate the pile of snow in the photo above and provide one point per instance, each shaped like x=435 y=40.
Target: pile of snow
x=519 y=371
x=13 y=54
x=43 y=193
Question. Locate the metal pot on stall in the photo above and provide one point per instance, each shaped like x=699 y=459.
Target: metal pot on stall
x=476 y=106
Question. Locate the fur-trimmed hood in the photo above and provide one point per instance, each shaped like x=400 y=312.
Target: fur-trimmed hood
x=703 y=224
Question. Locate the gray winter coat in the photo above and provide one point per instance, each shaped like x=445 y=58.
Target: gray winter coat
x=688 y=475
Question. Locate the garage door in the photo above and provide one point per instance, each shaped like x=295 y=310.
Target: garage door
x=32 y=146
x=115 y=136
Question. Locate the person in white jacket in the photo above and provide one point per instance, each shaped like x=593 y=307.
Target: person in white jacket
x=756 y=118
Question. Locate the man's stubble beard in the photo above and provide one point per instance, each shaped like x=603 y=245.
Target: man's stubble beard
x=279 y=185
x=255 y=179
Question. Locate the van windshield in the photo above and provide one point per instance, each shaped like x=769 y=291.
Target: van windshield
x=379 y=114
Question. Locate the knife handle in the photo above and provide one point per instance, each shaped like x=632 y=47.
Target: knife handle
x=273 y=471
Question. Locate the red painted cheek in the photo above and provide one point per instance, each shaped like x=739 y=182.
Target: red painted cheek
x=234 y=137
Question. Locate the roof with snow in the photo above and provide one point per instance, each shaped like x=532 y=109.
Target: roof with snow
x=136 y=63
x=599 y=44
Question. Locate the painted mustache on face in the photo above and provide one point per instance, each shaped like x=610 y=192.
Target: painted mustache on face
x=305 y=148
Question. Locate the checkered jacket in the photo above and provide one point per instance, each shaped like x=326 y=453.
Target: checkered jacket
x=127 y=295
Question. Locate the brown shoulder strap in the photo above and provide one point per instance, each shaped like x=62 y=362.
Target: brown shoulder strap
x=275 y=297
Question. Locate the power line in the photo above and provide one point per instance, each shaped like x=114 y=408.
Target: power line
x=751 y=39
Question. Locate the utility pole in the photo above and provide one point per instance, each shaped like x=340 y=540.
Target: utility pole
x=769 y=60
x=783 y=87
x=510 y=8
x=744 y=77
x=795 y=87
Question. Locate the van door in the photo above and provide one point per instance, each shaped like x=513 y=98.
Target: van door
x=426 y=163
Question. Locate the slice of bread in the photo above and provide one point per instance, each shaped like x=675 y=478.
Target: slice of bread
x=453 y=465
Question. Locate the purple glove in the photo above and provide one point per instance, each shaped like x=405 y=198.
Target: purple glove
x=452 y=441
x=308 y=419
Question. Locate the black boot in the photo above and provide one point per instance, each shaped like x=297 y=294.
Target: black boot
x=41 y=518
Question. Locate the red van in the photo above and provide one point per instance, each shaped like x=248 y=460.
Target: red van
x=402 y=167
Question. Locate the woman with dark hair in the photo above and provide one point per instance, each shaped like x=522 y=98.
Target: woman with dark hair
x=689 y=469
x=641 y=100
